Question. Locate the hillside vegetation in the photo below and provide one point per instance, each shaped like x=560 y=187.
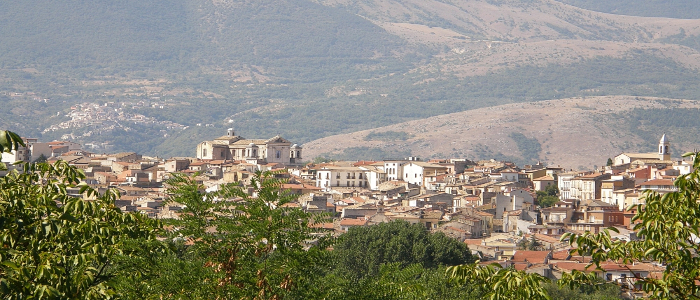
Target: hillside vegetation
x=573 y=133
x=310 y=69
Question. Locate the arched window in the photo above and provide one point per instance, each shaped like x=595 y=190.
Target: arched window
x=204 y=152
x=278 y=154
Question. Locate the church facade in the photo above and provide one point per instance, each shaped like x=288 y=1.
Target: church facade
x=257 y=151
x=663 y=155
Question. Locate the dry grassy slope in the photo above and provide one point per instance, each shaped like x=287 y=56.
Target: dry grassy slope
x=573 y=132
x=486 y=35
x=521 y=20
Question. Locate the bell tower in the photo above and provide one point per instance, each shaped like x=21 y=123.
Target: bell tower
x=664 y=148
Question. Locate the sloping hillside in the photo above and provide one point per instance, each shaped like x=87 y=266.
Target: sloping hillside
x=309 y=69
x=518 y=20
x=568 y=132
x=681 y=9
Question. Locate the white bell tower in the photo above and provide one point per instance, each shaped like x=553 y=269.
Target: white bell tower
x=664 y=148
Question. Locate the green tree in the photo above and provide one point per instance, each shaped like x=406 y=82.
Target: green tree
x=610 y=162
x=56 y=246
x=363 y=250
x=495 y=282
x=547 y=201
x=254 y=243
x=548 y=196
x=395 y=281
x=9 y=141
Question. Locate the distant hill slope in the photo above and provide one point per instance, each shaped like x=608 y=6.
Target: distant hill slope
x=309 y=69
x=573 y=133
x=155 y=36
x=517 y=20
x=681 y=9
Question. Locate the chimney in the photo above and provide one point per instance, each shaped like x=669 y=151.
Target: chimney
x=229 y=132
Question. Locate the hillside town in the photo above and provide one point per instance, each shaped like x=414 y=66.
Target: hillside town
x=509 y=214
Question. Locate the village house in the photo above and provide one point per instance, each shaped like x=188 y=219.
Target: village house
x=331 y=176
x=615 y=183
x=587 y=187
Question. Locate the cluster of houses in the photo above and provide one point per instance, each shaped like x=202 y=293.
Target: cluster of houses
x=98 y=119
x=490 y=205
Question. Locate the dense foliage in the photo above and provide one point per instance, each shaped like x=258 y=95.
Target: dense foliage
x=549 y=196
x=363 y=250
x=57 y=246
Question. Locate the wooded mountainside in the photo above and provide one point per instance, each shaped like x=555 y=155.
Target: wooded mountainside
x=310 y=69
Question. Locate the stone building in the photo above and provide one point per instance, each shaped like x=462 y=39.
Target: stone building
x=256 y=151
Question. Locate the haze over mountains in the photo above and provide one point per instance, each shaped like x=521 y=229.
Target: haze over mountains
x=312 y=69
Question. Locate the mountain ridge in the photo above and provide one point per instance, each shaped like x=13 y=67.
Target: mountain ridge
x=307 y=70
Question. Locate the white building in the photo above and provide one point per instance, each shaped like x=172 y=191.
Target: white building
x=423 y=174
x=564 y=184
x=329 y=177
x=394 y=169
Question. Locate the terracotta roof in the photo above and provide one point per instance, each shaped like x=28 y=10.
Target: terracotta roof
x=561 y=255
x=472 y=241
x=363 y=163
x=657 y=182
x=353 y=222
x=547 y=239
x=544 y=178
x=569 y=266
x=533 y=257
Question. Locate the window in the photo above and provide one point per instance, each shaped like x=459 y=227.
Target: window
x=204 y=152
x=347 y=183
x=278 y=154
